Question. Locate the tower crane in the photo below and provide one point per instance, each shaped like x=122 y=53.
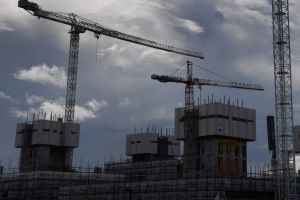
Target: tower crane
x=190 y=134
x=285 y=150
x=80 y=25
x=201 y=82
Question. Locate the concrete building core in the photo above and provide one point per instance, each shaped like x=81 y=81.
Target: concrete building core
x=151 y=146
x=46 y=145
x=218 y=119
x=223 y=131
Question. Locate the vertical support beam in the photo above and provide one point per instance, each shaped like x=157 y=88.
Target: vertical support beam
x=190 y=133
x=283 y=101
x=72 y=74
x=189 y=89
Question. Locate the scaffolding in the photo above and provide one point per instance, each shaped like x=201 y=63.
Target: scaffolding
x=95 y=183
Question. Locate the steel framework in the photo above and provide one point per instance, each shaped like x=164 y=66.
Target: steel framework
x=72 y=74
x=191 y=164
x=80 y=25
x=283 y=101
x=189 y=89
x=190 y=130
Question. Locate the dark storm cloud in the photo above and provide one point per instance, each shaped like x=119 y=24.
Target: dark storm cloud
x=235 y=36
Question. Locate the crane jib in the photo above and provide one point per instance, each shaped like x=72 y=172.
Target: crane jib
x=201 y=82
x=88 y=25
x=80 y=25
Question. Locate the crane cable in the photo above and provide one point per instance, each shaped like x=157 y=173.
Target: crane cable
x=97 y=36
x=211 y=72
x=203 y=68
x=178 y=69
x=214 y=73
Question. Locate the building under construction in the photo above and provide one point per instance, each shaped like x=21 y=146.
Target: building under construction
x=214 y=135
x=155 y=169
x=46 y=144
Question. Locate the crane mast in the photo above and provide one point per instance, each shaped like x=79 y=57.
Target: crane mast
x=80 y=25
x=190 y=114
x=285 y=151
x=72 y=74
x=189 y=89
x=190 y=124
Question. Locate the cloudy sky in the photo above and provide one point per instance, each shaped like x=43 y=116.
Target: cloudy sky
x=115 y=93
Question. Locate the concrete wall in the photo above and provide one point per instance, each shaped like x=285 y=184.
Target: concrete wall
x=45 y=158
x=35 y=158
x=46 y=145
x=148 y=143
x=220 y=119
x=143 y=143
x=70 y=135
x=173 y=147
x=220 y=156
x=23 y=135
x=46 y=132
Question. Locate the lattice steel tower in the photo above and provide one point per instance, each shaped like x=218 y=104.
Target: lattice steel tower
x=80 y=25
x=190 y=130
x=72 y=73
x=283 y=101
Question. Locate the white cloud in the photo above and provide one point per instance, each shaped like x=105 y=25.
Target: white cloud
x=160 y=113
x=5 y=96
x=83 y=114
x=10 y=16
x=57 y=107
x=246 y=11
x=5 y=27
x=190 y=25
x=18 y=113
x=113 y=48
x=154 y=54
x=97 y=105
x=32 y=99
x=124 y=102
x=43 y=74
x=164 y=113
x=241 y=15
